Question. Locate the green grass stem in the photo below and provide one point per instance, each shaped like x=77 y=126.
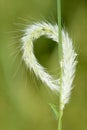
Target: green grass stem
x=60 y=58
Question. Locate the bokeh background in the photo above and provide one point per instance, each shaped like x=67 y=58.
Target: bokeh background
x=24 y=99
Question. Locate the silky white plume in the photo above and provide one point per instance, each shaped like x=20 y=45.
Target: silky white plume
x=68 y=62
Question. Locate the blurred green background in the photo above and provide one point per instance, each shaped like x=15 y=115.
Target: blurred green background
x=24 y=99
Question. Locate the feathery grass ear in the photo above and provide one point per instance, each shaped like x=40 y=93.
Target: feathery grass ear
x=68 y=62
